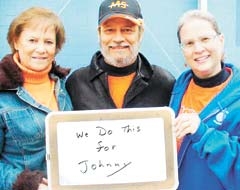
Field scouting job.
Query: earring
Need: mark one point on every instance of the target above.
(185, 64)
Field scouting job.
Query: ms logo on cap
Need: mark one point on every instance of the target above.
(119, 4)
(128, 9)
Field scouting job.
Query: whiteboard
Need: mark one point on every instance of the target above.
(111, 149)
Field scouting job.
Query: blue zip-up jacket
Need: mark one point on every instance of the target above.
(210, 158)
(22, 127)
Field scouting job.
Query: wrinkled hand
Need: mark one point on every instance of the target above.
(186, 123)
(43, 185)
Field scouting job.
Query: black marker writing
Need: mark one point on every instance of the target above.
(103, 131)
(105, 148)
(131, 129)
(82, 134)
(85, 166)
(125, 165)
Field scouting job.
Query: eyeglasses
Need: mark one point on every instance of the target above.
(204, 41)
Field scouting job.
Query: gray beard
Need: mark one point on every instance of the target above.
(121, 62)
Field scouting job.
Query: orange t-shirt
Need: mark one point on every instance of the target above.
(197, 97)
(118, 86)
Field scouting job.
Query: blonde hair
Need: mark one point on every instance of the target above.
(33, 16)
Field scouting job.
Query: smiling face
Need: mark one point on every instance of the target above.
(119, 41)
(202, 47)
(36, 46)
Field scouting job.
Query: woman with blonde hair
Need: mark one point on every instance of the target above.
(31, 86)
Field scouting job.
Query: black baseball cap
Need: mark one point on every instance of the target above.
(128, 9)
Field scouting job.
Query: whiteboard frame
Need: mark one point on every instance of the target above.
(166, 113)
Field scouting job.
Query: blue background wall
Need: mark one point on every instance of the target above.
(159, 43)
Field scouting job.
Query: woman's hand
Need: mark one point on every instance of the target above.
(186, 123)
(43, 185)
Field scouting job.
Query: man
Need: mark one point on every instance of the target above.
(119, 76)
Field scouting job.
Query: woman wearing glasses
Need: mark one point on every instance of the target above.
(206, 102)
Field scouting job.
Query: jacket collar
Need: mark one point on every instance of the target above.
(233, 86)
(144, 67)
(10, 75)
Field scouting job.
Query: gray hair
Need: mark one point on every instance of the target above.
(197, 14)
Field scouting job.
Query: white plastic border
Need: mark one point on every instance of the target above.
(203, 5)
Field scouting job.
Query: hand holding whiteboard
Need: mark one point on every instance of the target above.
(113, 149)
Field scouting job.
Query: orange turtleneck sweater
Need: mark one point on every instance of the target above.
(39, 85)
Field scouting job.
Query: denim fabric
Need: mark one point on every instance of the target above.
(22, 131)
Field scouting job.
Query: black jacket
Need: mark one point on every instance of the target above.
(88, 87)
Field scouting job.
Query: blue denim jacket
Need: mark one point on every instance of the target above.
(22, 131)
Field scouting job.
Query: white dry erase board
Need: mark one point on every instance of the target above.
(115, 149)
